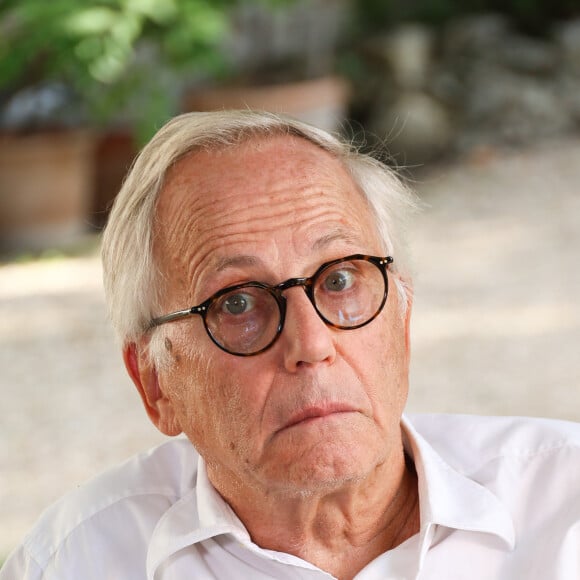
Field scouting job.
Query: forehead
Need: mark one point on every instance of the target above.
(256, 198)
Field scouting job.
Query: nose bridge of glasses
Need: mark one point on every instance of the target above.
(306, 283)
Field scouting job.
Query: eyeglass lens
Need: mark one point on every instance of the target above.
(247, 320)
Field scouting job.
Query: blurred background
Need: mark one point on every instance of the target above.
(476, 102)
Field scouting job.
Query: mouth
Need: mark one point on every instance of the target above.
(316, 413)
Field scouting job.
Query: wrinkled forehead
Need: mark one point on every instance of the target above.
(252, 192)
(263, 158)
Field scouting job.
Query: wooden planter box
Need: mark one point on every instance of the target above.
(45, 189)
(114, 153)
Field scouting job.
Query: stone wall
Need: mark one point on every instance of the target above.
(475, 84)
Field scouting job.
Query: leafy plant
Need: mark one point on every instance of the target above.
(113, 55)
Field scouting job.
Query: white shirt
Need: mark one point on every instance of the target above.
(499, 499)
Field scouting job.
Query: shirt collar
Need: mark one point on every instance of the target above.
(451, 499)
(200, 514)
(214, 512)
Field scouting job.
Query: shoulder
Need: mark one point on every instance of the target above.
(119, 508)
(532, 466)
(469, 441)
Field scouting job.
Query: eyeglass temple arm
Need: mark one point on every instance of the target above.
(176, 315)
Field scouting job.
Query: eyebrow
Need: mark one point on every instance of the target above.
(339, 234)
(237, 261)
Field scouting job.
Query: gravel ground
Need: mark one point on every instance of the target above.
(496, 328)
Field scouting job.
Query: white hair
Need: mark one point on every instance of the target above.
(133, 281)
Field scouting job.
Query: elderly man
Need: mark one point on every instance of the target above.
(256, 276)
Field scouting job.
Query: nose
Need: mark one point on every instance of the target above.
(306, 339)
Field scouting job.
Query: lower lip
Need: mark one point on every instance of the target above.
(319, 418)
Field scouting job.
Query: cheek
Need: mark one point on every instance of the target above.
(380, 359)
(218, 405)
(191, 386)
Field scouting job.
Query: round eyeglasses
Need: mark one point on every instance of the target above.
(246, 319)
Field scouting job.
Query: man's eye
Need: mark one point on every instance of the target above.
(238, 304)
(339, 280)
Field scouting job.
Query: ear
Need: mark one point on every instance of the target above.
(144, 375)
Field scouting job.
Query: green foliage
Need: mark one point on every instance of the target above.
(110, 52)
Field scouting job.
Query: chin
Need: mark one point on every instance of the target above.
(306, 484)
(324, 468)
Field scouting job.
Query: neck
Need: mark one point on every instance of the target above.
(339, 530)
